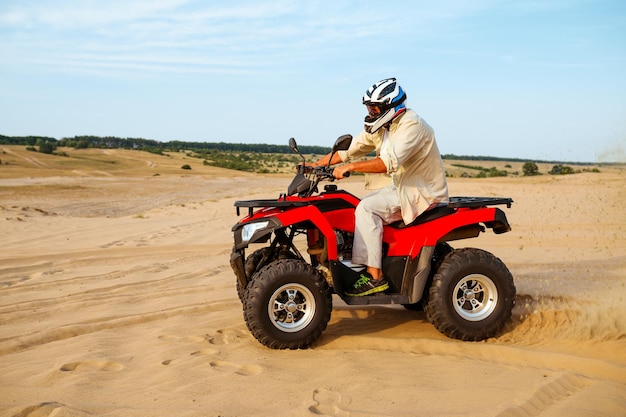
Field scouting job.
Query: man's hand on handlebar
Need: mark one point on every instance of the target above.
(341, 171)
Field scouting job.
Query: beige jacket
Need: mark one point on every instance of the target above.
(412, 159)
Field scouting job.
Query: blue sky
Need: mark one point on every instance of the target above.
(526, 79)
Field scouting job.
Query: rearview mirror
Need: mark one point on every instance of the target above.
(293, 145)
(342, 143)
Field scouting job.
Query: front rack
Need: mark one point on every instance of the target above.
(283, 204)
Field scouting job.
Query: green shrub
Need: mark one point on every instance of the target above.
(46, 147)
(561, 170)
(530, 169)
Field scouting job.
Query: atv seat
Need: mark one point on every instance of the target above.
(432, 214)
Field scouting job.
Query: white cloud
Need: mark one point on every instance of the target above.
(190, 35)
(166, 35)
(66, 14)
(158, 36)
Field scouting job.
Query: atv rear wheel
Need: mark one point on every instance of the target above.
(471, 296)
(287, 305)
(441, 250)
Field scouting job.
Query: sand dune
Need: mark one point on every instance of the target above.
(117, 299)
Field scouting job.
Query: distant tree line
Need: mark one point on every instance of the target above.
(44, 144)
(26, 140)
(111, 142)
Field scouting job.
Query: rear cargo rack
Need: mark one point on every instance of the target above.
(472, 202)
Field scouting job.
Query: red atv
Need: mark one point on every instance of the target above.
(467, 294)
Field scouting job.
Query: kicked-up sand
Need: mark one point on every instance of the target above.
(117, 299)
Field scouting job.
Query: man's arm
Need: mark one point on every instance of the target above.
(372, 166)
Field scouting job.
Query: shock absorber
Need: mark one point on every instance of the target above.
(316, 247)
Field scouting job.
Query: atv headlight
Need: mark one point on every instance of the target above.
(255, 231)
(249, 229)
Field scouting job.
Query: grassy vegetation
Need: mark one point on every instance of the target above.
(527, 169)
(483, 172)
(16, 161)
(89, 153)
(248, 161)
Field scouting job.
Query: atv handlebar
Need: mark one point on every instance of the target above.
(308, 177)
(322, 172)
(328, 172)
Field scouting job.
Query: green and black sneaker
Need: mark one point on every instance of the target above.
(366, 285)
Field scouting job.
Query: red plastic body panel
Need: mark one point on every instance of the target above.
(407, 241)
(410, 240)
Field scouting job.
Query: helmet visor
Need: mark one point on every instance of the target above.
(373, 110)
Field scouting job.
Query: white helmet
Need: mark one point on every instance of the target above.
(384, 101)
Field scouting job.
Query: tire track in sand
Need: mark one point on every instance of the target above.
(152, 289)
(15, 344)
(162, 290)
(50, 409)
(547, 396)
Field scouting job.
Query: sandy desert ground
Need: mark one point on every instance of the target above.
(117, 299)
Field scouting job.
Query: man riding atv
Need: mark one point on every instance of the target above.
(293, 253)
(406, 150)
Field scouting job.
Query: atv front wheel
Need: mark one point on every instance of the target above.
(287, 305)
(253, 262)
(471, 296)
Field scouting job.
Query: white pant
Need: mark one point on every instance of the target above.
(375, 209)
